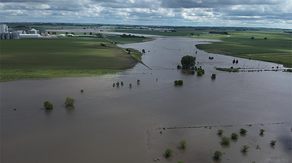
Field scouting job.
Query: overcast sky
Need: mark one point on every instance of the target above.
(244, 13)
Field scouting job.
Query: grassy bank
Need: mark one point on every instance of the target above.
(62, 57)
(276, 48)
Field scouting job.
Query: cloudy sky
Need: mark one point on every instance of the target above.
(244, 13)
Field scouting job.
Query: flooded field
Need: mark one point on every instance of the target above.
(137, 124)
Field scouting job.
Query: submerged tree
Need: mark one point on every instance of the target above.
(188, 61)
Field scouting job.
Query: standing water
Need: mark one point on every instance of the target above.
(136, 124)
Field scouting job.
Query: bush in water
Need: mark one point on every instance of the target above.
(69, 101)
(48, 105)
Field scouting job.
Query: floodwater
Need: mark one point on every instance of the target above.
(123, 124)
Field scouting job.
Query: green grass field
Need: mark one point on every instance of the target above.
(276, 48)
(62, 57)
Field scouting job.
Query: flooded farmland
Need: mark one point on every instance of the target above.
(137, 124)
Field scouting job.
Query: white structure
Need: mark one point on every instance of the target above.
(3, 28)
(30, 36)
(33, 31)
(61, 35)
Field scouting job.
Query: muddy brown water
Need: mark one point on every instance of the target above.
(122, 124)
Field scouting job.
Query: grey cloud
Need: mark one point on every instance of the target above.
(213, 3)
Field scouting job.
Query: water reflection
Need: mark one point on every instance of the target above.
(48, 111)
(70, 109)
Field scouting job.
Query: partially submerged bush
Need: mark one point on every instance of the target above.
(118, 84)
(220, 132)
(234, 136)
(48, 105)
(81, 90)
(188, 61)
(69, 101)
(183, 144)
(168, 152)
(217, 155)
(213, 76)
(273, 142)
(243, 131)
(262, 131)
(225, 140)
(178, 66)
(244, 148)
(178, 82)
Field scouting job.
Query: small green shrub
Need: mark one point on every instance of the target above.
(178, 66)
(183, 144)
(122, 83)
(243, 131)
(168, 152)
(234, 136)
(244, 148)
(178, 82)
(138, 81)
(114, 84)
(130, 85)
(69, 101)
(217, 155)
(82, 91)
(213, 76)
(220, 132)
(225, 140)
(262, 131)
(193, 72)
(48, 105)
(200, 72)
(273, 142)
(118, 84)
(180, 162)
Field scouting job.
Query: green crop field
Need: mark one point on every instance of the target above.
(61, 57)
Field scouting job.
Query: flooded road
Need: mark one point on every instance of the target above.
(123, 124)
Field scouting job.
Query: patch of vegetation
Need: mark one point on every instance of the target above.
(273, 142)
(243, 131)
(183, 144)
(188, 61)
(220, 132)
(289, 70)
(213, 76)
(217, 155)
(244, 148)
(69, 101)
(168, 152)
(225, 140)
(178, 82)
(48, 105)
(228, 69)
(262, 131)
(200, 71)
(234, 136)
(81, 90)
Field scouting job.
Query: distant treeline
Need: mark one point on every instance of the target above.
(216, 32)
(131, 36)
(287, 31)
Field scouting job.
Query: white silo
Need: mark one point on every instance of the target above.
(3, 28)
(7, 36)
(15, 35)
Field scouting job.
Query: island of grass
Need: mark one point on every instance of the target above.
(63, 57)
